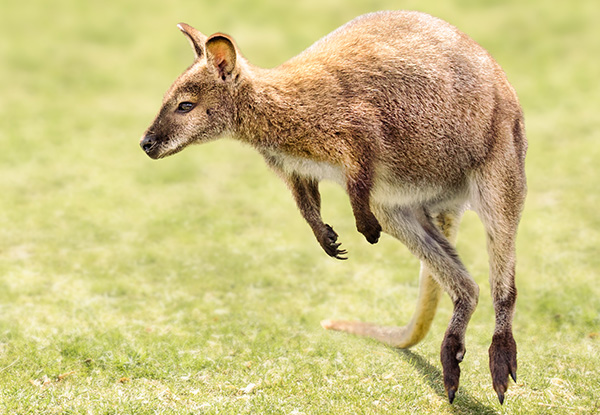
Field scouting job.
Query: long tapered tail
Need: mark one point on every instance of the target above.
(429, 296)
(400, 337)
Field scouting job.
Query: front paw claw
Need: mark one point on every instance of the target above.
(330, 244)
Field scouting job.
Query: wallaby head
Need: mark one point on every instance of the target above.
(198, 107)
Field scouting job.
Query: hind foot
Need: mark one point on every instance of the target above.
(453, 352)
(503, 362)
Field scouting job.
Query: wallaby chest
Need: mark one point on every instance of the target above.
(306, 167)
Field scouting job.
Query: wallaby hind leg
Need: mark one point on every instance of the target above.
(429, 296)
(499, 207)
(415, 229)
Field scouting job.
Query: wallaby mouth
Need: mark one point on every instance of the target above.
(155, 147)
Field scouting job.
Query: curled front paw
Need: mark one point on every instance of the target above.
(370, 228)
(328, 240)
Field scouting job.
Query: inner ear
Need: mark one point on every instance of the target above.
(221, 54)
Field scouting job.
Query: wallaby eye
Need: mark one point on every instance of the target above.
(185, 107)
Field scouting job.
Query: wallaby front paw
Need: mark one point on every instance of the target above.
(370, 228)
(328, 241)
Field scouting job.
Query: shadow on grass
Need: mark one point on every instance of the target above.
(464, 402)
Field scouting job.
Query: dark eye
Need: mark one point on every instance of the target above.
(185, 107)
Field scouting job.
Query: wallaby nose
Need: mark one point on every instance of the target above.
(148, 142)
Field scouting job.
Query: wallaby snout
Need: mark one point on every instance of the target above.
(148, 143)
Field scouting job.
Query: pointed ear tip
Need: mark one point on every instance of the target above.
(184, 27)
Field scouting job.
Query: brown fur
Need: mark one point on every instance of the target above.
(413, 118)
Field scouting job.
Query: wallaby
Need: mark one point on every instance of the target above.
(413, 118)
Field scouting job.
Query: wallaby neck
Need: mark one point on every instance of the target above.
(272, 109)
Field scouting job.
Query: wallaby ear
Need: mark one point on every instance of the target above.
(197, 39)
(221, 53)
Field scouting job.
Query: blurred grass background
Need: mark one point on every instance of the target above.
(192, 285)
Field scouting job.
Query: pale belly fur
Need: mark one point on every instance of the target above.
(384, 192)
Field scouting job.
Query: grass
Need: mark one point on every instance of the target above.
(192, 285)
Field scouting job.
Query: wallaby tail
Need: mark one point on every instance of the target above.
(400, 337)
(429, 297)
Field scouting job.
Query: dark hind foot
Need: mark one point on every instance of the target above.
(503, 362)
(453, 352)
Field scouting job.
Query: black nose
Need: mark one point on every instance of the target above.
(147, 143)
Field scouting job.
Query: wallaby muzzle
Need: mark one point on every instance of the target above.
(149, 143)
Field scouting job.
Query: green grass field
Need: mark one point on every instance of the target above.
(192, 285)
